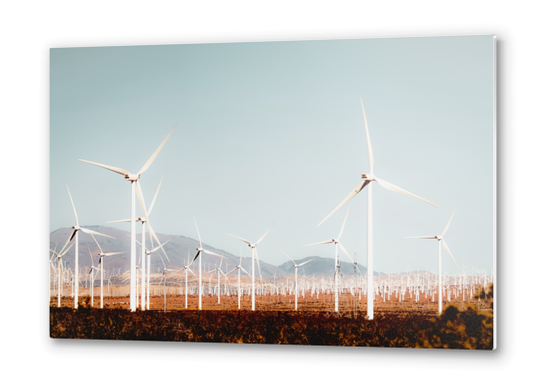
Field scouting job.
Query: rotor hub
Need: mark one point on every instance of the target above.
(132, 177)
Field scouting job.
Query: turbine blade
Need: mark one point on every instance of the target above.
(306, 262)
(342, 229)
(149, 162)
(448, 249)
(71, 245)
(151, 232)
(73, 205)
(100, 248)
(395, 188)
(369, 147)
(258, 262)
(212, 253)
(67, 242)
(356, 190)
(288, 257)
(246, 241)
(261, 238)
(322, 242)
(90, 232)
(112, 253)
(119, 221)
(199, 237)
(195, 257)
(156, 194)
(114, 169)
(244, 270)
(447, 225)
(161, 258)
(344, 250)
(420, 237)
(192, 272)
(234, 269)
(155, 249)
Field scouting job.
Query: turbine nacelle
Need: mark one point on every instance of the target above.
(438, 237)
(368, 177)
(76, 227)
(132, 176)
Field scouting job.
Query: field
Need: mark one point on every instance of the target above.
(411, 324)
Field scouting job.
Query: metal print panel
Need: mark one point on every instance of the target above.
(335, 192)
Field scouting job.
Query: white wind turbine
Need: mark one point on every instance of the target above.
(367, 179)
(148, 253)
(91, 273)
(337, 243)
(440, 239)
(295, 267)
(102, 254)
(254, 252)
(59, 269)
(75, 232)
(219, 271)
(186, 268)
(143, 263)
(200, 250)
(238, 268)
(134, 180)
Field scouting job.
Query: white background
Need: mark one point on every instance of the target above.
(29, 29)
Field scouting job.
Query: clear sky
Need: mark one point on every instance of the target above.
(273, 133)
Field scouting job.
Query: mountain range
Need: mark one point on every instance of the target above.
(179, 249)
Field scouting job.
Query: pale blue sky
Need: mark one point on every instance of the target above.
(273, 133)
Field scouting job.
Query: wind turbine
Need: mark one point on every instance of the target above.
(254, 252)
(102, 254)
(200, 250)
(148, 253)
(59, 269)
(75, 232)
(91, 273)
(186, 269)
(238, 268)
(367, 179)
(295, 267)
(143, 269)
(337, 264)
(219, 271)
(134, 180)
(440, 239)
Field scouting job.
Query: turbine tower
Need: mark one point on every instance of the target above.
(440, 239)
(367, 179)
(134, 180)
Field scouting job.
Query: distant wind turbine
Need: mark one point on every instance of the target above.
(238, 268)
(200, 250)
(337, 242)
(295, 267)
(102, 254)
(254, 253)
(440, 239)
(367, 179)
(75, 232)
